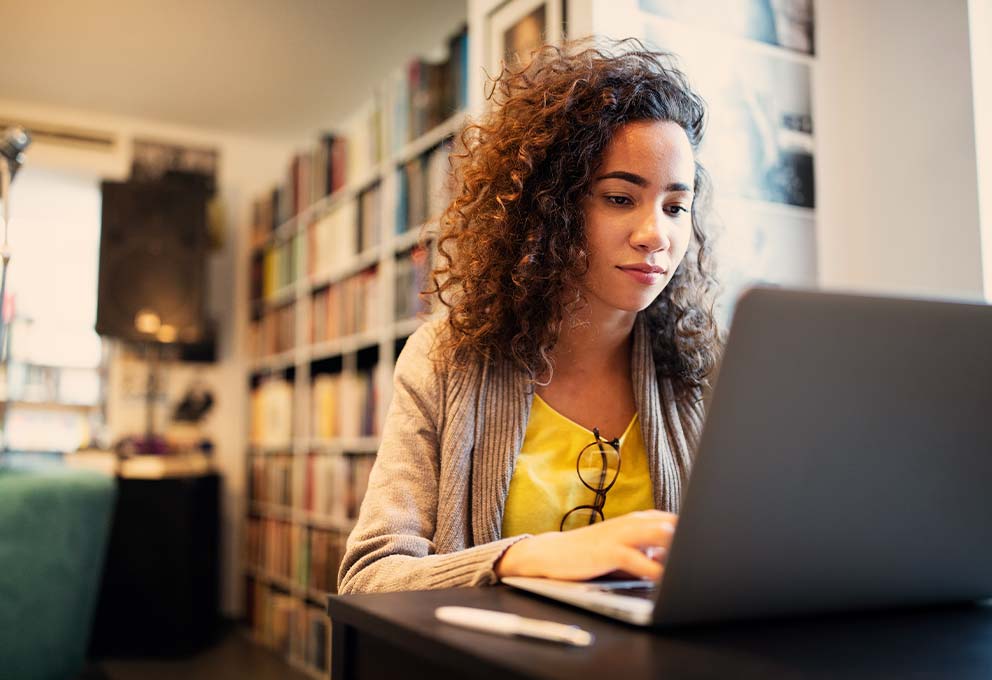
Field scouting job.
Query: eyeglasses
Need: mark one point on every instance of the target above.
(598, 467)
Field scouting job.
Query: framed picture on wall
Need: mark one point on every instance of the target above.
(518, 27)
(784, 23)
(152, 160)
(759, 142)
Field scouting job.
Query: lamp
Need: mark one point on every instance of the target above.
(13, 142)
(12, 145)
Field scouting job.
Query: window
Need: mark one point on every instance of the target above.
(52, 382)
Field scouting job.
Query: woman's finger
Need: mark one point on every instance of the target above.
(653, 515)
(641, 534)
(634, 562)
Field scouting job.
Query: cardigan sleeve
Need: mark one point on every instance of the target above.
(391, 547)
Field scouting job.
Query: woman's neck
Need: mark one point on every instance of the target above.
(594, 345)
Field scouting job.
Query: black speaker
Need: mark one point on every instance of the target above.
(153, 246)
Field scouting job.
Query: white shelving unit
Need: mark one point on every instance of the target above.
(377, 345)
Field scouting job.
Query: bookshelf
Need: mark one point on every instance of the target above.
(336, 260)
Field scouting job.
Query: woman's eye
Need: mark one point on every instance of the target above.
(619, 200)
(674, 210)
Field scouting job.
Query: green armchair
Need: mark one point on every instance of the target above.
(54, 527)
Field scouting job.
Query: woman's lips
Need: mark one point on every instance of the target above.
(647, 277)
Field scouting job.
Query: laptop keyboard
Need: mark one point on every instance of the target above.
(638, 589)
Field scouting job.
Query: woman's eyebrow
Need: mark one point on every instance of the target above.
(634, 178)
(625, 176)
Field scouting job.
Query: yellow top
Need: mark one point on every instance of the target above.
(545, 484)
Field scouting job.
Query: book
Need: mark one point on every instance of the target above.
(318, 639)
(412, 272)
(325, 399)
(271, 414)
(439, 182)
(416, 193)
(319, 315)
(458, 50)
(399, 133)
(369, 218)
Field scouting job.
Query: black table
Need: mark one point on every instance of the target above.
(396, 635)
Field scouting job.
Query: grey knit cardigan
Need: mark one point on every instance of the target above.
(433, 511)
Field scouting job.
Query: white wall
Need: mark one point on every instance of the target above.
(980, 13)
(897, 195)
(247, 167)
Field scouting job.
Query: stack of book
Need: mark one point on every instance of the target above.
(272, 414)
(335, 485)
(299, 547)
(344, 405)
(318, 640)
(332, 239)
(358, 405)
(311, 175)
(273, 331)
(430, 90)
(272, 541)
(425, 188)
(327, 548)
(271, 480)
(254, 553)
(281, 265)
(365, 141)
(288, 624)
(345, 308)
(412, 270)
(358, 307)
(326, 490)
(369, 218)
(324, 401)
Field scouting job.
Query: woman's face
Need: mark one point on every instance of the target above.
(638, 216)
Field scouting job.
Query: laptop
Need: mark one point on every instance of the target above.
(845, 464)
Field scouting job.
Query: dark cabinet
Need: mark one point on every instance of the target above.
(160, 588)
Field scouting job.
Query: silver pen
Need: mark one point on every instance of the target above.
(502, 623)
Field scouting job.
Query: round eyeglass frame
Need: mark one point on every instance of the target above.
(601, 488)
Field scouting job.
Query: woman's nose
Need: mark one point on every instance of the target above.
(652, 234)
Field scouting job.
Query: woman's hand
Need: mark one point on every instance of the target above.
(595, 550)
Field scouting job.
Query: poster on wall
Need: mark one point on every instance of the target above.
(759, 138)
(152, 160)
(784, 23)
(518, 27)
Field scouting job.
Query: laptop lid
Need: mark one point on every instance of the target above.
(846, 461)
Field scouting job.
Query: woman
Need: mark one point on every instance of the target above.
(545, 426)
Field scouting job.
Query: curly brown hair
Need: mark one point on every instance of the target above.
(517, 227)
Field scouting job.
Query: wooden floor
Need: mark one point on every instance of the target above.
(234, 657)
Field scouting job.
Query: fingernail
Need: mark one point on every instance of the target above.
(655, 552)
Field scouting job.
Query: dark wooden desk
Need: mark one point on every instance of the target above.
(396, 635)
